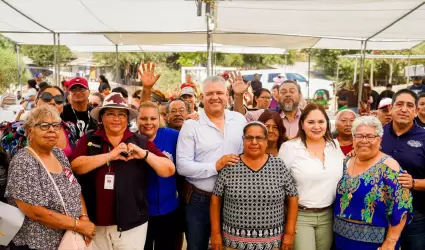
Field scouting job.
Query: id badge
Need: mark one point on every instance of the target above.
(109, 181)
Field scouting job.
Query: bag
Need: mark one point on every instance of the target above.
(71, 240)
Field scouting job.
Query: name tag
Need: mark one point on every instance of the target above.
(109, 182)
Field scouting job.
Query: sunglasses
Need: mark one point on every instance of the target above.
(47, 97)
(94, 105)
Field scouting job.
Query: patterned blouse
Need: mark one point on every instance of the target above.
(374, 199)
(253, 208)
(29, 182)
(14, 139)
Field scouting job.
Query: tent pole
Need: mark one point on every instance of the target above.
(117, 68)
(355, 69)
(371, 72)
(55, 59)
(18, 59)
(309, 71)
(334, 86)
(408, 66)
(209, 55)
(58, 60)
(362, 59)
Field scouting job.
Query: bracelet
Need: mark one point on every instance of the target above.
(390, 239)
(146, 155)
(413, 184)
(75, 224)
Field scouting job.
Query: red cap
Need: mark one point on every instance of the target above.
(225, 75)
(78, 81)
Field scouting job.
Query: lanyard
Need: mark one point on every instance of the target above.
(79, 125)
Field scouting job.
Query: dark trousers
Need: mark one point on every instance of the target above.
(164, 231)
(413, 235)
(198, 222)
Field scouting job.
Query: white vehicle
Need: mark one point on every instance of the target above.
(267, 77)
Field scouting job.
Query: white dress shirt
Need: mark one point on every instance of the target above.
(316, 182)
(201, 145)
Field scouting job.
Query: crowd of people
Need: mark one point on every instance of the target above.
(228, 164)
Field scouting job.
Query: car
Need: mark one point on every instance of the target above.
(268, 78)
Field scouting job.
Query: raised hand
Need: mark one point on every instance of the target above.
(238, 85)
(147, 74)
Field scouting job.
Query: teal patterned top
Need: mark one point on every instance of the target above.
(373, 198)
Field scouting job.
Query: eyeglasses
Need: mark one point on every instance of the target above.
(369, 138)
(175, 111)
(265, 97)
(44, 126)
(47, 97)
(77, 89)
(113, 115)
(250, 138)
(94, 105)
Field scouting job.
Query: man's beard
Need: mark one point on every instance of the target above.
(288, 108)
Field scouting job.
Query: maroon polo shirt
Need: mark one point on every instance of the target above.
(105, 199)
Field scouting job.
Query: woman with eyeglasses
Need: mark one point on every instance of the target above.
(33, 174)
(247, 204)
(371, 206)
(112, 165)
(14, 137)
(261, 102)
(315, 160)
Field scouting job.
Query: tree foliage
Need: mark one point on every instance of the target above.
(9, 69)
(43, 55)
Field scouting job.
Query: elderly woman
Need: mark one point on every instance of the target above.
(14, 138)
(371, 205)
(30, 188)
(113, 164)
(256, 219)
(315, 161)
(276, 131)
(344, 123)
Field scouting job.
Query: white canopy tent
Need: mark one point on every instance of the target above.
(286, 24)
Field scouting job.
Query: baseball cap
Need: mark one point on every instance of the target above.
(386, 102)
(225, 76)
(78, 81)
(187, 91)
(416, 77)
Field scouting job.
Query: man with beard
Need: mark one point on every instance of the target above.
(177, 111)
(404, 140)
(289, 99)
(205, 146)
(343, 133)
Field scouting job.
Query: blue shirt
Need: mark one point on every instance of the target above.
(201, 145)
(162, 192)
(417, 89)
(409, 151)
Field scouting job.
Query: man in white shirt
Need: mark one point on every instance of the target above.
(205, 146)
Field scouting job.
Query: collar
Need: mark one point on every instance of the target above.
(392, 132)
(297, 115)
(203, 118)
(102, 133)
(300, 145)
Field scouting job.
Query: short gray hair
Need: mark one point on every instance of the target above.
(344, 111)
(370, 121)
(39, 114)
(211, 79)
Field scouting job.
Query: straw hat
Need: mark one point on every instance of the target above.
(115, 101)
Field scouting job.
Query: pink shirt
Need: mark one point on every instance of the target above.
(291, 126)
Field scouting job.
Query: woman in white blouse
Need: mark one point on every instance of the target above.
(315, 161)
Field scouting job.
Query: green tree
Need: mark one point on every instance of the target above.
(43, 55)
(9, 70)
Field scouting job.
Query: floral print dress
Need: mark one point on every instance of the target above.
(367, 204)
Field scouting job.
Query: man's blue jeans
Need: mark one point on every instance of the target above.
(413, 235)
(198, 222)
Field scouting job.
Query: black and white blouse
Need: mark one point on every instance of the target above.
(253, 204)
(29, 182)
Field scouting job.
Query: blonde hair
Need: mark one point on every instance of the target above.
(39, 114)
(154, 106)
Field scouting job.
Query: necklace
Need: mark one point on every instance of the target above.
(81, 125)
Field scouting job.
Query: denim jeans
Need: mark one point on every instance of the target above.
(413, 235)
(198, 222)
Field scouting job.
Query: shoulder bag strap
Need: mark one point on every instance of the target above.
(50, 176)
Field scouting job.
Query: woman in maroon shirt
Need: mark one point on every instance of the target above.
(344, 123)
